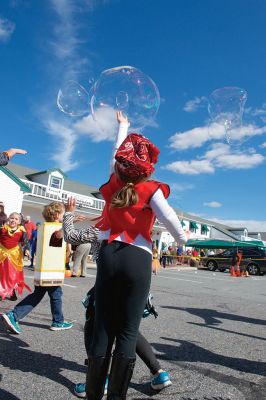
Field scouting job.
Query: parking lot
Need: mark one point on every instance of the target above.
(210, 335)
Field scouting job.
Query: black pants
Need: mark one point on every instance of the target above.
(122, 286)
(143, 347)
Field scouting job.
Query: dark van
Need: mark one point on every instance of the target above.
(254, 259)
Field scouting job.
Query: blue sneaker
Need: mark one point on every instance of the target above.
(11, 322)
(161, 381)
(60, 326)
(80, 389)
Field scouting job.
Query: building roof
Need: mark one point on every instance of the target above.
(23, 187)
(48, 171)
(69, 185)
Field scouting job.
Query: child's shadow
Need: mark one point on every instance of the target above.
(6, 395)
(47, 365)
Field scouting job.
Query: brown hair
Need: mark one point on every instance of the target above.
(51, 211)
(127, 195)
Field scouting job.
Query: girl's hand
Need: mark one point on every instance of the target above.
(71, 204)
(121, 118)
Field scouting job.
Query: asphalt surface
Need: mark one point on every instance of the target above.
(210, 335)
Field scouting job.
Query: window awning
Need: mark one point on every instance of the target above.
(193, 225)
(204, 228)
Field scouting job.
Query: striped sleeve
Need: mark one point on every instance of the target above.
(4, 158)
(79, 236)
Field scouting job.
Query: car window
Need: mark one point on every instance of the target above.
(252, 253)
(228, 253)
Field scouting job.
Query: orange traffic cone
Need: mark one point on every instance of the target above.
(238, 272)
(232, 272)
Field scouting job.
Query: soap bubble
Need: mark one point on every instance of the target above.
(73, 99)
(129, 90)
(226, 107)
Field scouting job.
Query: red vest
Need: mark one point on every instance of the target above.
(130, 221)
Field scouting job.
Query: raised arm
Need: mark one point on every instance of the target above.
(168, 217)
(73, 235)
(6, 155)
(121, 135)
(77, 236)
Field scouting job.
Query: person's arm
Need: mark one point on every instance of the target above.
(77, 236)
(121, 135)
(6, 155)
(167, 216)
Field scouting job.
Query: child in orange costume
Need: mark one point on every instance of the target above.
(13, 239)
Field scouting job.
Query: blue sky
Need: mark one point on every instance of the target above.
(189, 48)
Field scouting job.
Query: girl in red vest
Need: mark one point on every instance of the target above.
(12, 239)
(132, 202)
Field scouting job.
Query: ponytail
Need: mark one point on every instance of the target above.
(125, 197)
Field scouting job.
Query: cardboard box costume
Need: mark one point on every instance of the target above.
(50, 256)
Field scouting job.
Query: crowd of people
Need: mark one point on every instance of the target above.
(124, 260)
(125, 256)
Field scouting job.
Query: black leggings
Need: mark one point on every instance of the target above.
(121, 290)
(143, 348)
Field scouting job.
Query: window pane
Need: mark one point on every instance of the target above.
(55, 182)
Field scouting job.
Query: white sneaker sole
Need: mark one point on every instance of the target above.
(161, 386)
(9, 325)
(83, 394)
(52, 328)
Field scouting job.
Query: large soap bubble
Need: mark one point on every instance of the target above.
(73, 99)
(129, 90)
(226, 107)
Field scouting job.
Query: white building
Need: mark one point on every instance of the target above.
(38, 188)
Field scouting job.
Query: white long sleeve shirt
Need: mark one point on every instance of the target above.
(163, 212)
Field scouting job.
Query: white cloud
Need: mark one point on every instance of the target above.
(213, 204)
(263, 145)
(194, 104)
(66, 140)
(251, 225)
(197, 137)
(6, 29)
(239, 161)
(219, 155)
(194, 167)
(103, 128)
(66, 42)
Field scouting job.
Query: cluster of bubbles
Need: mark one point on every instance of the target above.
(124, 88)
(129, 90)
(226, 107)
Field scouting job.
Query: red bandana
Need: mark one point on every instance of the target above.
(136, 156)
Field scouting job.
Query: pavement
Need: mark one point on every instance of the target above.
(210, 335)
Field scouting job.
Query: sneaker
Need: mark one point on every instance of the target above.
(11, 323)
(161, 381)
(60, 326)
(80, 389)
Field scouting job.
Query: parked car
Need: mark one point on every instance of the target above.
(254, 259)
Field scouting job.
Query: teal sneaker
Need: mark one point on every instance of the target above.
(61, 326)
(161, 381)
(11, 323)
(80, 389)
